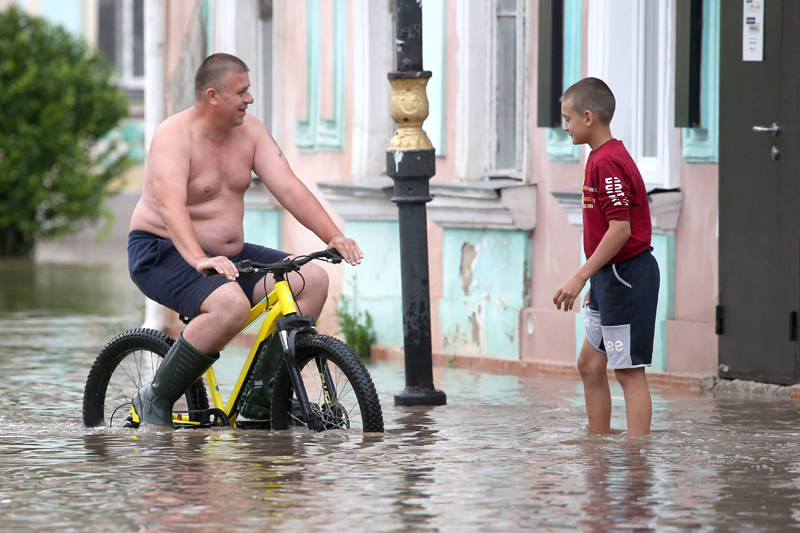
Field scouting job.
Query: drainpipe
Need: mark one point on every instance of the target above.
(154, 111)
(410, 162)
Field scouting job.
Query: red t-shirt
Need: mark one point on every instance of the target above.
(613, 189)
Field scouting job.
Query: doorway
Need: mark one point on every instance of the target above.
(759, 197)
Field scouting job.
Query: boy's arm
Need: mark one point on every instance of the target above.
(619, 231)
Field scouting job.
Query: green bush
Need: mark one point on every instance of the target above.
(359, 336)
(58, 103)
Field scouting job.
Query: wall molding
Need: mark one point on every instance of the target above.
(503, 204)
(665, 208)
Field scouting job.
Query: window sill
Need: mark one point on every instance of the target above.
(504, 204)
(665, 207)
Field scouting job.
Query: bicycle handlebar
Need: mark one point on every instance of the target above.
(249, 269)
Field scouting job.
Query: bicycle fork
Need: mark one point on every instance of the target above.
(287, 337)
(288, 334)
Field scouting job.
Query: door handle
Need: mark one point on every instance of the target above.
(774, 129)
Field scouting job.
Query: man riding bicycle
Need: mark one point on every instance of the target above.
(190, 218)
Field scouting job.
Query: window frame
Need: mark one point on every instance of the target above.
(610, 57)
(558, 143)
(701, 144)
(124, 44)
(521, 97)
(316, 134)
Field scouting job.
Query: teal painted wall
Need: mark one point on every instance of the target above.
(375, 284)
(664, 252)
(263, 226)
(486, 275)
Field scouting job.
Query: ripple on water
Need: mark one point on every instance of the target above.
(506, 453)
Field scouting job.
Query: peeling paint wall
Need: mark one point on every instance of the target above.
(485, 277)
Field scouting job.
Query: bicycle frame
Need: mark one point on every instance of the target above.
(279, 303)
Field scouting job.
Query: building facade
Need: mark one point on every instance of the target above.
(504, 225)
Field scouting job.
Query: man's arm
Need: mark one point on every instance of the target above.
(271, 167)
(168, 168)
(619, 231)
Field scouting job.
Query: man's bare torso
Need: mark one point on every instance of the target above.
(219, 173)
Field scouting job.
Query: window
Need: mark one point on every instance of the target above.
(631, 49)
(559, 144)
(508, 83)
(434, 37)
(492, 40)
(701, 145)
(121, 38)
(322, 125)
(265, 39)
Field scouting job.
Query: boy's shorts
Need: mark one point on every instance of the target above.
(161, 273)
(620, 317)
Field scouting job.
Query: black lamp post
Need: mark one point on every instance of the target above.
(410, 162)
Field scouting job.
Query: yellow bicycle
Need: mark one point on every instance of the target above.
(321, 384)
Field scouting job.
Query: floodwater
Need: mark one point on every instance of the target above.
(506, 454)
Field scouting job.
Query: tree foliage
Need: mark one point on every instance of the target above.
(58, 103)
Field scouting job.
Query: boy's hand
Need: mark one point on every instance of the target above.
(586, 298)
(568, 293)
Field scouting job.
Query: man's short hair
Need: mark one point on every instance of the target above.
(214, 70)
(594, 95)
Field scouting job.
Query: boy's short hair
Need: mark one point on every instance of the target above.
(214, 69)
(592, 94)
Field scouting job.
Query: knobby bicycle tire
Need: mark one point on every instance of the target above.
(126, 364)
(356, 404)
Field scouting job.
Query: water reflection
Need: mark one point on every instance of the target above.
(505, 454)
(619, 482)
(412, 495)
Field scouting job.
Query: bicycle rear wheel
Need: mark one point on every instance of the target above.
(339, 388)
(124, 366)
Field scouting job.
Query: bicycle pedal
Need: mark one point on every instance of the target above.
(132, 418)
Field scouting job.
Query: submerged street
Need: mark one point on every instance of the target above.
(506, 453)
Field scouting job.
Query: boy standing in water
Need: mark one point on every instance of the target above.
(620, 306)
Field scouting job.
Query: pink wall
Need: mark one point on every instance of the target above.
(691, 341)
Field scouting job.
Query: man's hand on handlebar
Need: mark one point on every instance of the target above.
(347, 248)
(221, 264)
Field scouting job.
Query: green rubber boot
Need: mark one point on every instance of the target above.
(182, 366)
(257, 400)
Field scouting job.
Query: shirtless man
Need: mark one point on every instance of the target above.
(190, 218)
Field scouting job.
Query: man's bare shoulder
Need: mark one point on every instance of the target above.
(176, 130)
(253, 128)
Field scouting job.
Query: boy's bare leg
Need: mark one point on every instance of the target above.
(592, 368)
(638, 406)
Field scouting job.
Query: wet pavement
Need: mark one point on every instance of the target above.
(507, 453)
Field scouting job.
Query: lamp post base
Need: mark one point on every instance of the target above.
(412, 397)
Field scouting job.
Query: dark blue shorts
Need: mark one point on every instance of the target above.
(165, 277)
(620, 317)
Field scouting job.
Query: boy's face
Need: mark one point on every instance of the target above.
(576, 124)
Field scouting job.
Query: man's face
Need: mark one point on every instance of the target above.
(574, 123)
(236, 96)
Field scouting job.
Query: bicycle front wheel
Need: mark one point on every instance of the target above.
(339, 388)
(124, 366)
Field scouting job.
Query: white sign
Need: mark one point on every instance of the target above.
(753, 30)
